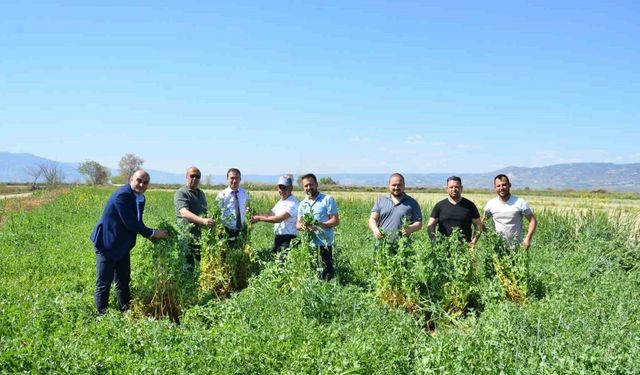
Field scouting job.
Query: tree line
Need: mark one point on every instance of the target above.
(98, 174)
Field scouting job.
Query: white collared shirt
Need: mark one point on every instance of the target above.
(139, 200)
(226, 200)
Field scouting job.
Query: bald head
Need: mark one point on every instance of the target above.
(193, 177)
(139, 181)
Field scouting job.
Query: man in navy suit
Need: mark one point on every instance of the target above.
(115, 235)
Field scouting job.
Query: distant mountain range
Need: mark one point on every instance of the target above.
(578, 176)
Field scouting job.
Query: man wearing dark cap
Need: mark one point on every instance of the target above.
(283, 215)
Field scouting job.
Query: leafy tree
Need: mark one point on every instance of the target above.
(129, 164)
(327, 181)
(119, 179)
(96, 173)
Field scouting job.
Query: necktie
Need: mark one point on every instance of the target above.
(236, 204)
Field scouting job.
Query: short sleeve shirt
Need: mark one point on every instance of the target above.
(322, 208)
(507, 216)
(193, 200)
(451, 216)
(391, 214)
(290, 206)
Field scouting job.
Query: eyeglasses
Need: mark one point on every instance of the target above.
(194, 176)
(141, 181)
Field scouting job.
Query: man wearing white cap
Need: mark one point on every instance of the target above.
(283, 215)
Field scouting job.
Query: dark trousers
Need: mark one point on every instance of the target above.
(281, 245)
(282, 242)
(233, 233)
(106, 271)
(327, 260)
(193, 254)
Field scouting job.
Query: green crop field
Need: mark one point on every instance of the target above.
(568, 306)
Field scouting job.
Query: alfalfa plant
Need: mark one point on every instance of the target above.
(299, 266)
(163, 286)
(225, 259)
(394, 272)
(307, 243)
(450, 279)
(508, 266)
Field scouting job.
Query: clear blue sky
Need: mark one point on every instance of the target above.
(327, 87)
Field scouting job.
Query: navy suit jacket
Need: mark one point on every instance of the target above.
(115, 234)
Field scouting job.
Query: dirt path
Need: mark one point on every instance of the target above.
(20, 195)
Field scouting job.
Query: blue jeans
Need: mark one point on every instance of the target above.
(106, 271)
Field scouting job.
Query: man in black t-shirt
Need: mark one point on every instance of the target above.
(455, 212)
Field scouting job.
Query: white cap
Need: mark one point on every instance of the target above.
(285, 180)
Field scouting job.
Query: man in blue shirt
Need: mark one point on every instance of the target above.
(325, 213)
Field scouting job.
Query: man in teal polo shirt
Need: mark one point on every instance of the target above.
(389, 211)
(325, 212)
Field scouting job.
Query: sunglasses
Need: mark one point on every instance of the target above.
(141, 181)
(194, 176)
